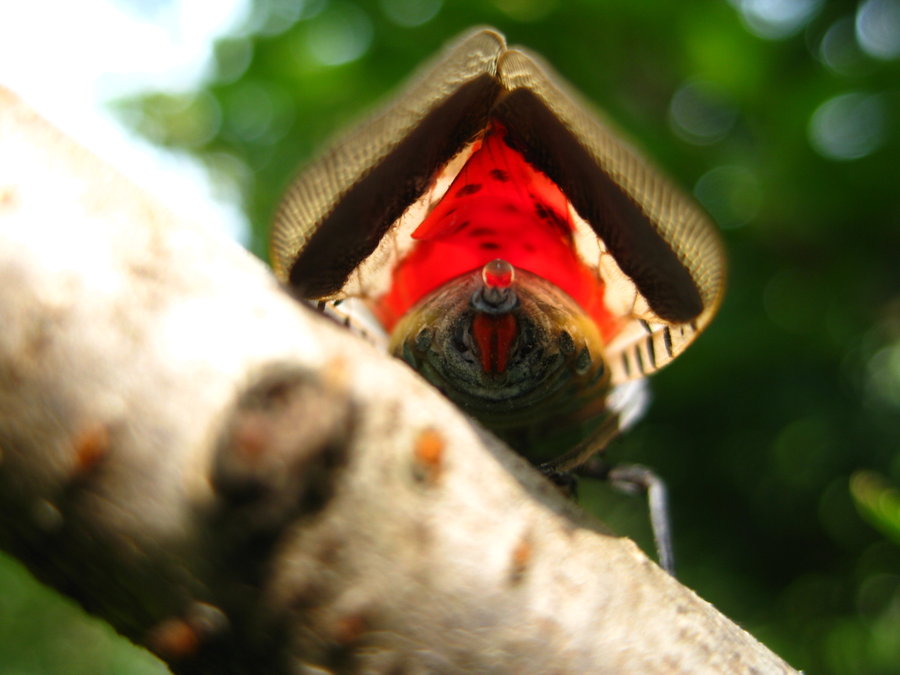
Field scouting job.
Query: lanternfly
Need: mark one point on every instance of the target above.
(517, 252)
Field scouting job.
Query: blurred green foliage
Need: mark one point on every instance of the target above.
(877, 502)
(783, 119)
(42, 633)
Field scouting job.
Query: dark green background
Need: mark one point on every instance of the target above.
(790, 398)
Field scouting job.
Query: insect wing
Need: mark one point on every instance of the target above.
(658, 255)
(337, 211)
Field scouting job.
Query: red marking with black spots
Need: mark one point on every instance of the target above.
(499, 206)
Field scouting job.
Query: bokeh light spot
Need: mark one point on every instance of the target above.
(177, 120)
(410, 12)
(878, 28)
(250, 111)
(848, 126)
(699, 115)
(273, 17)
(232, 59)
(803, 452)
(341, 33)
(732, 195)
(776, 19)
(839, 50)
(883, 375)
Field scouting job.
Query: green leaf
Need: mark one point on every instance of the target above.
(878, 502)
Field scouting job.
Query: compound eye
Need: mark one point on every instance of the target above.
(464, 343)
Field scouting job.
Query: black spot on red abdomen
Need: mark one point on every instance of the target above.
(467, 190)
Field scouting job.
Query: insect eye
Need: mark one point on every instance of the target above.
(423, 338)
(463, 342)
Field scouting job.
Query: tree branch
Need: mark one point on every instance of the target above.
(242, 486)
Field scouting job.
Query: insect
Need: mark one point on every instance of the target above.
(519, 254)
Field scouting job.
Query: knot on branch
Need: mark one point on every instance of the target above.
(282, 448)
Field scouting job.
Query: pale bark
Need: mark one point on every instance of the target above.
(242, 486)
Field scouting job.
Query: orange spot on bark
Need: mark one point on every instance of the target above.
(349, 629)
(429, 455)
(521, 557)
(174, 639)
(8, 198)
(90, 444)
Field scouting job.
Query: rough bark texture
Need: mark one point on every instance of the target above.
(244, 487)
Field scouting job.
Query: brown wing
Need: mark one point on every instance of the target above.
(337, 210)
(660, 256)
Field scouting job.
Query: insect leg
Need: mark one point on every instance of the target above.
(633, 478)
